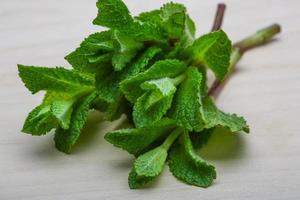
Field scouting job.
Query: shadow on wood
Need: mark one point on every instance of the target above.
(224, 146)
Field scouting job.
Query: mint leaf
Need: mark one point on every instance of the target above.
(159, 88)
(137, 139)
(164, 68)
(145, 31)
(147, 167)
(173, 16)
(214, 117)
(94, 52)
(143, 116)
(55, 79)
(112, 14)
(62, 111)
(55, 111)
(187, 166)
(117, 108)
(189, 32)
(134, 181)
(40, 121)
(173, 21)
(212, 50)
(152, 16)
(150, 68)
(156, 101)
(65, 139)
(187, 102)
(107, 81)
(150, 164)
(126, 50)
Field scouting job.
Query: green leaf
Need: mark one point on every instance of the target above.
(112, 14)
(65, 139)
(134, 181)
(107, 81)
(147, 167)
(187, 166)
(144, 31)
(135, 140)
(151, 163)
(152, 16)
(214, 117)
(159, 88)
(189, 31)
(164, 85)
(117, 108)
(164, 68)
(143, 116)
(55, 79)
(173, 21)
(55, 111)
(62, 111)
(40, 121)
(115, 15)
(187, 102)
(94, 52)
(173, 16)
(126, 50)
(156, 101)
(212, 50)
(150, 27)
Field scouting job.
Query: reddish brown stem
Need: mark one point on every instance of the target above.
(259, 38)
(217, 26)
(219, 17)
(214, 88)
(217, 85)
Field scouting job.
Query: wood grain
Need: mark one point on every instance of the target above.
(265, 89)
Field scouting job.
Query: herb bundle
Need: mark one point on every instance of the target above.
(153, 69)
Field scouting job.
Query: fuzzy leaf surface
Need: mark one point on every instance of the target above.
(112, 14)
(187, 102)
(54, 79)
(215, 117)
(65, 139)
(212, 50)
(94, 52)
(135, 140)
(189, 167)
(131, 87)
(108, 81)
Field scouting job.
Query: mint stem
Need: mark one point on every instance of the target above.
(171, 138)
(219, 17)
(259, 38)
(177, 80)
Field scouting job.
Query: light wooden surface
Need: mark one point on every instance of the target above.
(265, 89)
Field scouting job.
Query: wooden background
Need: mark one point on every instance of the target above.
(265, 89)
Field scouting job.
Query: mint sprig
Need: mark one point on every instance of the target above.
(153, 69)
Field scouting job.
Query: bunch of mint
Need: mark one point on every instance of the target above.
(153, 69)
